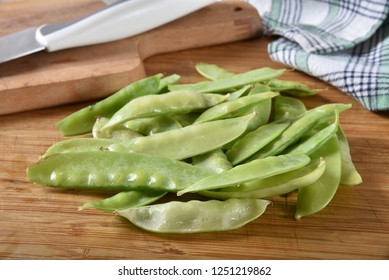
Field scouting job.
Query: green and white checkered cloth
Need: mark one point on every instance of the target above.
(345, 43)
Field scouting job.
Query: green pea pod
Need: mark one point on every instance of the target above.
(239, 93)
(235, 81)
(273, 186)
(196, 216)
(168, 103)
(153, 125)
(314, 142)
(286, 106)
(76, 145)
(298, 127)
(350, 175)
(175, 144)
(119, 133)
(124, 200)
(188, 141)
(82, 121)
(254, 170)
(216, 161)
(262, 110)
(233, 108)
(212, 71)
(253, 141)
(316, 196)
(262, 115)
(291, 87)
(166, 81)
(114, 171)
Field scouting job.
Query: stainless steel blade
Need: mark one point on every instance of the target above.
(19, 44)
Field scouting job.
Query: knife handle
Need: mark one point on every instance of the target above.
(117, 21)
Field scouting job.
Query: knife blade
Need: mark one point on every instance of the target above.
(117, 21)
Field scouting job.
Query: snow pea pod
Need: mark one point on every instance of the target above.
(114, 171)
(233, 108)
(166, 81)
(196, 216)
(253, 141)
(82, 121)
(153, 125)
(188, 141)
(291, 87)
(215, 161)
(168, 103)
(254, 170)
(286, 106)
(298, 127)
(273, 186)
(239, 93)
(235, 81)
(212, 71)
(314, 142)
(262, 110)
(76, 145)
(119, 133)
(180, 143)
(350, 175)
(124, 200)
(316, 196)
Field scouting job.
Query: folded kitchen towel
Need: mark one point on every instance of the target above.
(342, 42)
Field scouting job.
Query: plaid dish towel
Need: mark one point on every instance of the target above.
(342, 42)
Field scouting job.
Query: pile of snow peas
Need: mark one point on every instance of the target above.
(236, 140)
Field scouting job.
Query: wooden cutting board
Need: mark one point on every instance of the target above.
(47, 79)
(43, 223)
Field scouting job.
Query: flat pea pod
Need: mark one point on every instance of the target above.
(254, 170)
(235, 81)
(273, 186)
(350, 175)
(168, 103)
(291, 87)
(216, 161)
(82, 121)
(119, 133)
(253, 141)
(239, 92)
(313, 198)
(288, 107)
(124, 200)
(233, 108)
(196, 216)
(298, 127)
(114, 171)
(314, 142)
(166, 81)
(75, 145)
(188, 141)
(212, 71)
(153, 125)
(262, 110)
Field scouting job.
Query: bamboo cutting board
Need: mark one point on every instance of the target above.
(43, 223)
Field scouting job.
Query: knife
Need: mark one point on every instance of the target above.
(47, 79)
(117, 21)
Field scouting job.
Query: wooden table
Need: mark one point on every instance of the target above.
(42, 223)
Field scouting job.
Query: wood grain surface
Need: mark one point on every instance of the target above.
(42, 223)
(86, 73)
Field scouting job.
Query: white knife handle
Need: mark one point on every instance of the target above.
(118, 21)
